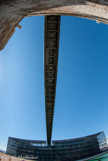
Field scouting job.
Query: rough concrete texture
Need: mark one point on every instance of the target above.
(5, 157)
(12, 12)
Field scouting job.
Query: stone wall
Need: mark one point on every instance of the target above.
(5, 157)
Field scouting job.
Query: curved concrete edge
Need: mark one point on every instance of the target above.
(10, 28)
(12, 12)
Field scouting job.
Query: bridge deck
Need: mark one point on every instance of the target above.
(51, 46)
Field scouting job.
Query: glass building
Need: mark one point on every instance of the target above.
(60, 150)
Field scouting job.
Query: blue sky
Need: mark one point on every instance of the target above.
(81, 106)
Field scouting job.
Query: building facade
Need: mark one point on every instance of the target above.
(62, 150)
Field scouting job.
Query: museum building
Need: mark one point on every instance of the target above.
(59, 150)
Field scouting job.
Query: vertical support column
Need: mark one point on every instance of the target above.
(51, 47)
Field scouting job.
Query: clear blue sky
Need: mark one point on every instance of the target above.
(81, 106)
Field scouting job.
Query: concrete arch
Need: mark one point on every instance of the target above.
(13, 11)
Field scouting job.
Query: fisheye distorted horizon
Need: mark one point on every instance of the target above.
(82, 89)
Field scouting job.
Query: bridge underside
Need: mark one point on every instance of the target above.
(51, 47)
